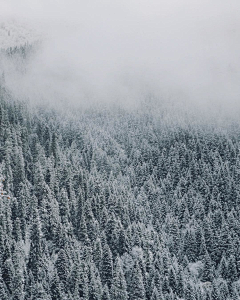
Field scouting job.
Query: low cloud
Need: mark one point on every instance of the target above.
(182, 51)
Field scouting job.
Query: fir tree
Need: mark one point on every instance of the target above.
(56, 288)
(4, 294)
(107, 266)
(207, 273)
(119, 286)
(62, 266)
(36, 253)
(155, 294)
(136, 289)
(105, 294)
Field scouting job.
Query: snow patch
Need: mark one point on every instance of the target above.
(194, 268)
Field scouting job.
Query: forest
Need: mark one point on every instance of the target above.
(106, 203)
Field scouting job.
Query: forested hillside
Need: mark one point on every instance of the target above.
(106, 203)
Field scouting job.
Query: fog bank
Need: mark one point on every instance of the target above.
(182, 52)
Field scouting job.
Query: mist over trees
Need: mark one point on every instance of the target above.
(107, 203)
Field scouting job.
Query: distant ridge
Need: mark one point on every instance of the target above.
(16, 33)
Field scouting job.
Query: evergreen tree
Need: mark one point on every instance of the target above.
(223, 268)
(97, 187)
(119, 286)
(95, 287)
(82, 232)
(56, 288)
(232, 270)
(64, 205)
(8, 274)
(3, 289)
(155, 294)
(18, 286)
(180, 284)
(35, 255)
(98, 253)
(62, 266)
(107, 266)
(136, 288)
(105, 294)
(172, 280)
(215, 291)
(189, 293)
(207, 273)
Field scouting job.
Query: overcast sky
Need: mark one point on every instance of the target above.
(122, 49)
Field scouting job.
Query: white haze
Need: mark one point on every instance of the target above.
(186, 52)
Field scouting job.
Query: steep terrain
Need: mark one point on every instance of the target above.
(104, 203)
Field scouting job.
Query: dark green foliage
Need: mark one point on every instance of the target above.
(62, 266)
(137, 290)
(189, 293)
(88, 190)
(8, 274)
(155, 294)
(232, 270)
(172, 280)
(35, 262)
(3, 289)
(105, 294)
(107, 266)
(56, 288)
(119, 286)
(207, 272)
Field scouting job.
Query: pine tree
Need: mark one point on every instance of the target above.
(18, 285)
(83, 287)
(105, 294)
(119, 286)
(232, 270)
(19, 172)
(40, 185)
(30, 285)
(110, 228)
(123, 243)
(17, 233)
(155, 294)
(36, 253)
(180, 284)
(40, 293)
(172, 280)
(86, 188)
(55, 148)
(82, 232)
(62, 266)
(223, 290)
(136, 289)
(4, 294)
(189, 245)
(215, 291)
(189, 293)
(157, 281)
(223, 268)
(64, 206)
(95, 286)
(107, 266)
(207, 273)
(74, 278)
(22, 211)
(56, 288)
(98, 253)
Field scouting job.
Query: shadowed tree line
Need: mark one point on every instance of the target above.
(111, 204)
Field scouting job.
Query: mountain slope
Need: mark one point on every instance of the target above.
(110, 204)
